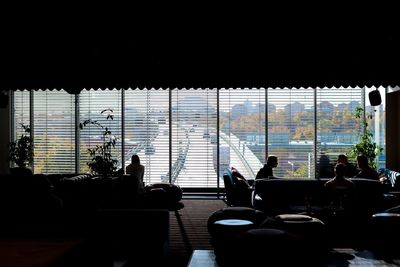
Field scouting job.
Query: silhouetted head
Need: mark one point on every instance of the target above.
(135, 159)
(362, 161)
(272, 161)
(340, 170)
(342, 158)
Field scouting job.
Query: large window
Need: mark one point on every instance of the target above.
(21, 113)
(291, 131)
(54, 132)
(91, 105)
(376, 119)
(189, 136)
(242, 129)
(194, 142)
(337, 128)
(147, 131)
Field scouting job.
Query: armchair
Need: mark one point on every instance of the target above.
(238, 192)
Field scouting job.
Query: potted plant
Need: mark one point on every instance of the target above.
(21, 152)
(366, 146)
(102, 162)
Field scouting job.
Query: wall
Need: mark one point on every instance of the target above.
(4, 137)
(393, 130)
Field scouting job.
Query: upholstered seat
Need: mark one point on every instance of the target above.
(238, 193)
(164, 195)
(240, 213)
(309, 229)
(224, 224)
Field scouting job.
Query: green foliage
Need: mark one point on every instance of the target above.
(21, 150)
(301, 172)
(102, 162)
(366, 146)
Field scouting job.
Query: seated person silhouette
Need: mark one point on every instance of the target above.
(366, 170)
(239, 178)
(135, 168)
(340, 190)
(129, 188)
(325, 167)
(351, 170)
(266, 170)
(243, 191)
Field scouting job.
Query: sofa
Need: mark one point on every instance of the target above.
(347, 223)
(275, 196)
(84, 207)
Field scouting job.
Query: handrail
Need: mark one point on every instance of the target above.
(243, 159)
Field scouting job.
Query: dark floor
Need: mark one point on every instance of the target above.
(338, 258)
(188, 233)
(188, 229)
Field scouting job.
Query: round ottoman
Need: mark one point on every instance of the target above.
(227, 228)
(225, 223)
(240, 213)
(164, 195)
(303, 225)
(311, 231)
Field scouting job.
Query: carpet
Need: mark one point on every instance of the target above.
(188, 229)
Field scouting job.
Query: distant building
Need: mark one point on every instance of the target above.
(271, 108)
(325, 106)
(294, 108)
(238, 110)
(261, 108)
(249, 106)
(351, 106)
(342, 107)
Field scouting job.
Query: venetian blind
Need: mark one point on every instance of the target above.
(291, 131)
(377, 122)
(21, 104)
(147, 132)
(54, 132)
(91, 104)
(242, 130)
(193, 136)
(337, 128)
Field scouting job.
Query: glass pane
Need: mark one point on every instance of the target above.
(21, 112)
(291, 131)
(91, 104)
(337, 128)
(54, 132)
(147, 132)
(194, 124)
(242, 130)
(377, 124)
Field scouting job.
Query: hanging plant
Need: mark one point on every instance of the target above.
(366, 146)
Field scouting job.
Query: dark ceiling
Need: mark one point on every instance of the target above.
(202, 51)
